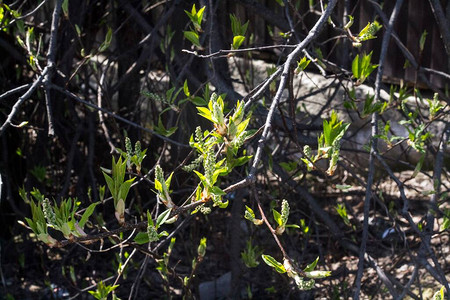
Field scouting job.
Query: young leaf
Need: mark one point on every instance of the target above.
(107, 41)
(270, 261)
(277, 217)
(237, 42)
(141, 238)
(311, 266)
(87, 213)
(162, 218)
(192, 37)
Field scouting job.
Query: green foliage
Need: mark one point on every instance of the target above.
(362, 67)
(38, 222)
(416, 134)
(251, 254)
(163, 187)
(160, 129)
(250, 215)
(238, 30)
(286, 267)
(423, 38)
(201, 250)
(40, 173)
(118, 186)
(196, 18)
(435, 106)
(272, 262)
(193, 37)
(370, 107)
(282, 218)
(107, 42)
(368, 32)
(229, 133)
(304, 227)
(214, 113)
(445, 220)
(342, 211)
(102, 291)
(163, 263)
(386, 136)
(133, 157)
(209, 179)
(152, 234)
(302, 64)
(328, 144)
(61, 218)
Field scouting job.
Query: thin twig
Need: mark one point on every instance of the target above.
(14, 90)
(22, 99)
(226, 53)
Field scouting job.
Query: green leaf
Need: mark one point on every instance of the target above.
(422, 40)
(186, 89)
(158, 186)
(277, 217)
(141, 238)
(65, 7)
(202, 177)
(236, 27)
(110, 184)
(200, 15)
(368, 32)
(87, 213)
(237, 42)
(107, 42)
(206, 113)
(302, 64)
(198, 101)
(362, 68)
(311, 266)
(419, 165)
(162, 218)
(124, 189)
(249, 214)
(160, 129)
(217, 191)
(169, 180)
(270, 261)
(192, 37)
(293, 226)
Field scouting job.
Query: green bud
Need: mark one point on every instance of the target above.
(284, 211)
(137, 148)
(48, 212)
(128, 146)
(202, 248)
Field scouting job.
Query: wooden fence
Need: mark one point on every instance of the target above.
(415, 17)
